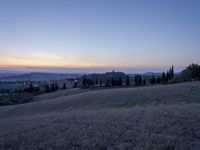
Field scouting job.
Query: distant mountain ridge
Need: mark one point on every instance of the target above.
(37, 77)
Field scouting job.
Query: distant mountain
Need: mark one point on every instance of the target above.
(37, 77)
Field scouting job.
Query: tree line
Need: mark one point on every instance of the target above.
(48, 87)
(113, 81)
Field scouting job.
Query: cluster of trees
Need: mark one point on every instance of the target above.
(86, 82)
(52, 88)
(165, 78)
(47, 87)
(115, 81)
(192, 72)
(138, 79)
(31, 88)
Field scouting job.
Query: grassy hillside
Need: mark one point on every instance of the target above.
(157, 117)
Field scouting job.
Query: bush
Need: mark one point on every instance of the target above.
(192, 72)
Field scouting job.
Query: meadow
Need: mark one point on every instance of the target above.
(153, 117)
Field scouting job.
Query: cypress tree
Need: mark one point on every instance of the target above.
(167, 76)
(64, 86)
(136, 79)
(113, 81)
(52, 87)
(30, 87)
(127, 80)
(158, 80)
(96, 81)
(172, 71)
(100, 83)
(153, 80)
(56, 86)
(84, 81)
(139, 79)
(47, 88)
(163, 77)
(120, 81)
(75, 85)
(144, 81)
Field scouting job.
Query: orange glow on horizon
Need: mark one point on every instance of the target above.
(25, 63)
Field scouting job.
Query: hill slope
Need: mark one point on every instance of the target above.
(158, 117)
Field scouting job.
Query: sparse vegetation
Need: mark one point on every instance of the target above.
(15, 98)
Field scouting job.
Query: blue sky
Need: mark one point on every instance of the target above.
(99, 35)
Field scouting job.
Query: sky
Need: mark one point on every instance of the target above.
(99, 35)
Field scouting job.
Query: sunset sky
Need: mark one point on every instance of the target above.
(99, 35)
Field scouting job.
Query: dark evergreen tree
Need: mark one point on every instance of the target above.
(167, 76)
(84, 82)
(136, 79)
(113, 82)
(56, 86)
(127, 80)
(64, 86)
(96, 81)
(52, 87)
(31, 87)
(120, 81)
(75, 85)
(139, 79)
(100, 82)
(172, 72)
(108, 83)
(163, 77)
(47, 88)
(144, 82)
(153, 80)
(158, 80)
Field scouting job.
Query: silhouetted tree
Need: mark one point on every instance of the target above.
(113, 82)
(163, 77)
(30, 89)
(108, 83)
(153, 80)
(172, 72)
(96, 81)
(144, 81)
(158, 80)
(56, 86)
(120, 81)
(75, 85)
(52, 87)
(127, 80)
(167, 76)
(47, 88)
(64, 86)
(138, 79)
(100, 82)
(84, 82)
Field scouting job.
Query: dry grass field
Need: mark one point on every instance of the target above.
(159, 117)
